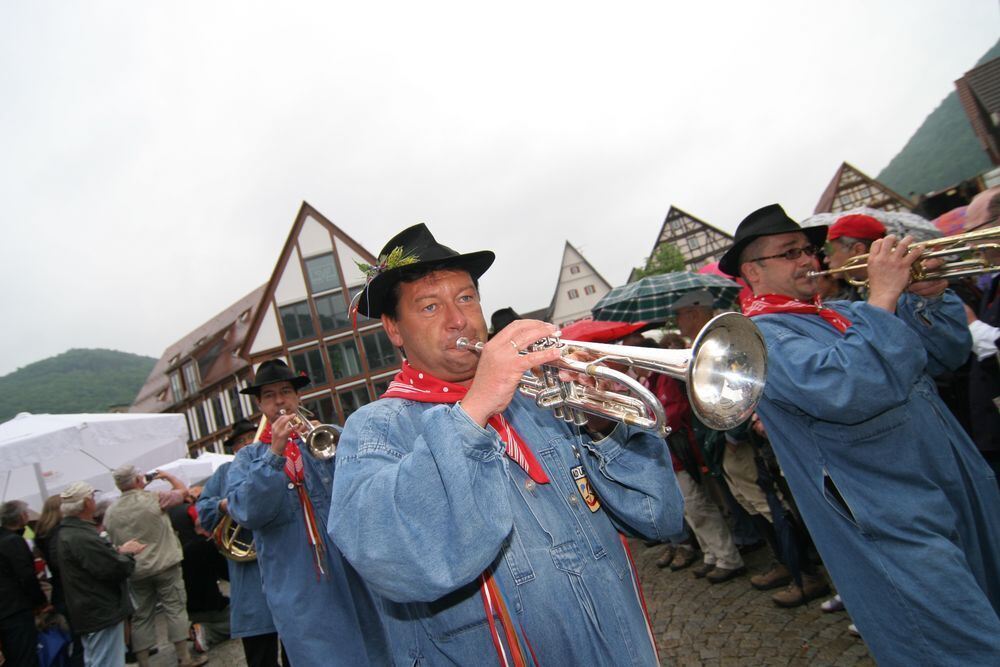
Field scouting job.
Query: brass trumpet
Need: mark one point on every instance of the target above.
(724, 371)
(960, 245)
(234, 541)
(321, 440)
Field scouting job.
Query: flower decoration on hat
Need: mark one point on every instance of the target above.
(394, 260)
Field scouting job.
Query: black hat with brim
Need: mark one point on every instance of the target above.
(410, 251)
(271, 371)
(766, 221)
(501, 319)
(239, 428)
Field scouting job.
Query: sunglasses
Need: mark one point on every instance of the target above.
(792, 254)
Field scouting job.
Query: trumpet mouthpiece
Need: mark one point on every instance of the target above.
(464, 343)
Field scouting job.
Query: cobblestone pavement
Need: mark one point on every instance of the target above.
(698, 623)
(729, 624)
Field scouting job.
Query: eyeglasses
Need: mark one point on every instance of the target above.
(793, 254)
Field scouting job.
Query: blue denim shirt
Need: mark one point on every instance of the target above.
(900, 504)
(322, 620)
(428, 501)
(249, 615)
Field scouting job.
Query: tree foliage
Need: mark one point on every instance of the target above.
(74, 381)
(666, 259)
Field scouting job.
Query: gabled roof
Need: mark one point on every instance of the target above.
(674, 212)
(555, 293)
(226, 331)
(305, 211)
(979, 93)
(847, 177)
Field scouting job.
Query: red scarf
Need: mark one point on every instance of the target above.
(766, 304)
(413, 385)
(296, 472)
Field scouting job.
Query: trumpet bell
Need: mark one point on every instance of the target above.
(233, 541)
(322, 441)
(725, 379)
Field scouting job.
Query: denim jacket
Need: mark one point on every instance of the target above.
(428, 501)
(322, 619)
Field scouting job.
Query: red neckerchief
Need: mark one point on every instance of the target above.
(425, 388)
(766, 304)
(296, 472)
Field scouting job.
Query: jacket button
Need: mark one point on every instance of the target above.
(573, 499)
(290, 486)
(529, 485)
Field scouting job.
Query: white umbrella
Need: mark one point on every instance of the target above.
(42, 454)
(899, 223)
(192, 471)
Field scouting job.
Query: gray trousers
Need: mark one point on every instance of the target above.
(167, 588)
(708, 525)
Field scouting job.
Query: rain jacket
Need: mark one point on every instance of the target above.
(324, 619)
(249, 615)
(900, 504)
(428, 501)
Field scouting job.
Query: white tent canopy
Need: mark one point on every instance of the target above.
(42, 454)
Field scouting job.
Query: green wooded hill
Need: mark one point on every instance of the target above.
(74, 381)
(942, 152)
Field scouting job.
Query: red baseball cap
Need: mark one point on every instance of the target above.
(856, 226)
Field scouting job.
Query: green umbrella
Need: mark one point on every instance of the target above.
(651, 298)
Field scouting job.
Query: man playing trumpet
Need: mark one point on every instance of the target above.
(279, 490)
(901, 506)
(486, 525)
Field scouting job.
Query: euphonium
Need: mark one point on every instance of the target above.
(964, 245)
(234, 541)
(724, 371)
(321, 440)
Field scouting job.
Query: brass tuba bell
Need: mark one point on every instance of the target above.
(234, 541)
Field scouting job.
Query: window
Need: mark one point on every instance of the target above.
(352, 399)
(381, 386)
(220, 411)
(693, 242)
(332, 312)
(199, 415)
(310, 361)
(235, 404)
(176, 386)
(322, 408)
(589, 289)
(379, 351)
(208, 357)
(573, 293)
(190, 377)
(322, 272)
(296, 321)
(344, 359)
(575, 268)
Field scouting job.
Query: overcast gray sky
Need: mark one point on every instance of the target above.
(153, 154)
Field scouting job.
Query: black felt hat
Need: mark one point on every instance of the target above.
(412, 249)
(766, 221)
(239, 428)
(501, 318)
(271, 371)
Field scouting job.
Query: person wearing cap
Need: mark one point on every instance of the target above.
(158, 578)
(21, 594)
(321, 609)
(850, 236)
(486, 525)
(898, 501)
(95, 578)
(249, 617)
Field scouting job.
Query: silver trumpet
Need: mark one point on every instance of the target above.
(724, 372)
(321, 440)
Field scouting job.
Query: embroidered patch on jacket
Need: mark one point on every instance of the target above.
(583, 486)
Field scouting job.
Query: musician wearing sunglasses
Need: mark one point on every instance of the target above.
(490, 529)
(901, 506)
(277, 488)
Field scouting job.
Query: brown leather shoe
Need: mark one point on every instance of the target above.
(702, 570)
(721, 574)
(667, 556)
(684, 557)
(814, 586)
(776, 577)
(790, 597)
